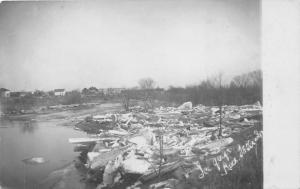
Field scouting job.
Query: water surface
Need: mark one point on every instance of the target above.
(25, 139)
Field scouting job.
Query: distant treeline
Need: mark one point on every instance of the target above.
(15, 105)
(242, 89)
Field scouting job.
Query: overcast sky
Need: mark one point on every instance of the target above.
(47, 45)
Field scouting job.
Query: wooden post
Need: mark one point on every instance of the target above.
(220, 104)
(220, 124)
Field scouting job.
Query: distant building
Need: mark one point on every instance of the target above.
(4, 92)
(118, 90)
(101, 91)
(59, 92)
(111, 91)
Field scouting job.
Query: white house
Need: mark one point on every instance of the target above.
(59, 92)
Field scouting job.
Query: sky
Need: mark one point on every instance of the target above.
(72, 45)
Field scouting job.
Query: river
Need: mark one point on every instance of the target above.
(28, 138)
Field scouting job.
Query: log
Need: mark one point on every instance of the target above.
(89, 140)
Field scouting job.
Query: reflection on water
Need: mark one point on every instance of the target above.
(29, 126)
(21, 140)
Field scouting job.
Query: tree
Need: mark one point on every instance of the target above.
(73, 97)
(85, 91)
(177, 94)
(248, 87)
(39, 93)
(147, 85)
(130, 94)
(253, 78)
(93, 90)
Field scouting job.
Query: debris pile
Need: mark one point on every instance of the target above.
(160, 149)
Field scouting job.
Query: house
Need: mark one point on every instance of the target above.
(59, 92)
(4, 92)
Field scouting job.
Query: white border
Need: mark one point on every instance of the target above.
(280, 63)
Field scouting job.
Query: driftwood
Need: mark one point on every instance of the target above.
(206, 124)
(212, 147)
(164, 169)
(90, 140)
(82, 147)
(105, 157)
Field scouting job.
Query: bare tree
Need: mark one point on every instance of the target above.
(147, 85)
(253, 78)
(240, 81)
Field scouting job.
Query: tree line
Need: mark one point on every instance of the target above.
(242, 89)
